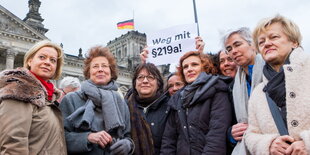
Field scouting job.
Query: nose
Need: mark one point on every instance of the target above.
(145, 80)
(267, 43)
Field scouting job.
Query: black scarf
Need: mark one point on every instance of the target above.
(276, 87)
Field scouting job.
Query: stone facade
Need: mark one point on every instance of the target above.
(17, 36)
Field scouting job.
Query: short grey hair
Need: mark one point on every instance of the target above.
(244, 32)
(69, 81)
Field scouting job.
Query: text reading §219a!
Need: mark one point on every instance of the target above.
(160, 51)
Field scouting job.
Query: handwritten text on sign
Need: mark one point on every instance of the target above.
(168, 45)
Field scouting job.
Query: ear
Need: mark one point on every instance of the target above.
(29, 62)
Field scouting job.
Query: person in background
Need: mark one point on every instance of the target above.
(238, 44)
(148, 109)
(225, 64)
(286, 82)
(31, 121)
(68, 84)
(200, 111)
(174, 83)
(96, 118)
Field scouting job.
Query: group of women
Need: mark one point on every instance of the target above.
(190, 116)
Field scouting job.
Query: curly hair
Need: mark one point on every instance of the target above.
(100, 51)
(207, 64)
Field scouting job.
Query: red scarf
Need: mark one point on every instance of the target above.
(48, 86)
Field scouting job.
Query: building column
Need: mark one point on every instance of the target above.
(10, 56)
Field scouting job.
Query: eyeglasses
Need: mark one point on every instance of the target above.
(149, 78)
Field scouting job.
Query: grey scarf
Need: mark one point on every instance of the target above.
(101, 110)
(240, 94)
(193, 91)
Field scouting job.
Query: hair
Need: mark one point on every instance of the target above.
(207, 64)
(100, 51)
(152, 69)
(216, 60)
(290, 29)
(69, 81)
(244, 33)
(46, 43)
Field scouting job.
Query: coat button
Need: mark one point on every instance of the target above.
(152, 124)
(184, 127)
(294, 123)
(289, 68)
(292, 95)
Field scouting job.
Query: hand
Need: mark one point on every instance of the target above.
(279, 145)
(199, 44)
(101, 138)
(297, 148)
(121, 147)
(238, 130)
(144, 55)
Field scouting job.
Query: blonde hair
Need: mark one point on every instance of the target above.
(46, 43)
(290, 29)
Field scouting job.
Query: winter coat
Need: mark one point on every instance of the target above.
(262, 129)
(30, 124)
(77, 142)
(199, 128)
(156, 116)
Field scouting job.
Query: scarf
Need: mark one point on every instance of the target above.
(193, 91)
(48, 86)
(276, 87)
(240, 94)
(140, 129)
(102, 110)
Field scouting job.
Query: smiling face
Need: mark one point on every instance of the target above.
(227, 66)
(275, 46)
(146, 84)
(240, 50)
(192, 66)
(100, 72)
(44, 63)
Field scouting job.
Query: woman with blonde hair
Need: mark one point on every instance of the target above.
(279, 107)
(31, 122)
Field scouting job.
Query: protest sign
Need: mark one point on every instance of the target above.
(168, 45)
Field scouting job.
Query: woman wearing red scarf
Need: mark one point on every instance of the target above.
(31, 122)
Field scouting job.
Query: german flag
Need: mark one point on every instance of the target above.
(128, 24)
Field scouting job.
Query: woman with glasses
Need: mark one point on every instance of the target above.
(148, 109)
(96, 118)
(200, 111)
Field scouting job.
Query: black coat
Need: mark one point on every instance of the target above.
(201, 127)
(156, 116)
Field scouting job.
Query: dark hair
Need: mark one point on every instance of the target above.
(152, 69)
(207, 63)
(100, 51)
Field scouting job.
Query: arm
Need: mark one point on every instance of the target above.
(257, 142)
(77, 142)
(170, 136)
(15, 118)
(220, 120)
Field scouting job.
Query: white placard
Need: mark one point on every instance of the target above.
(168, 45)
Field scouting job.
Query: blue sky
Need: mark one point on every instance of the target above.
(85, 23)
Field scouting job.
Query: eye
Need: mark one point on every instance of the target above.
(238, 44)
(41, 57)
(260, 43)
(96, 66)
(222, 61)
(230, 59)
(185, 66)
(53, 60)
(151, 77)
(228, 49)
(274, 36)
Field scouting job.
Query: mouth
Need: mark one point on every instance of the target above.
(191, 75)
(268, 51)
(45, 69)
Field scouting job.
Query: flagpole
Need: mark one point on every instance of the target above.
(196, 18)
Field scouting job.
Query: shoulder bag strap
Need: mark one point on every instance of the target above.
(277, 116)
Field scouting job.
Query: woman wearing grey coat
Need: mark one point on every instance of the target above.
(96, 118)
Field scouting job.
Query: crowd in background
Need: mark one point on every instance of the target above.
(249, 98)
